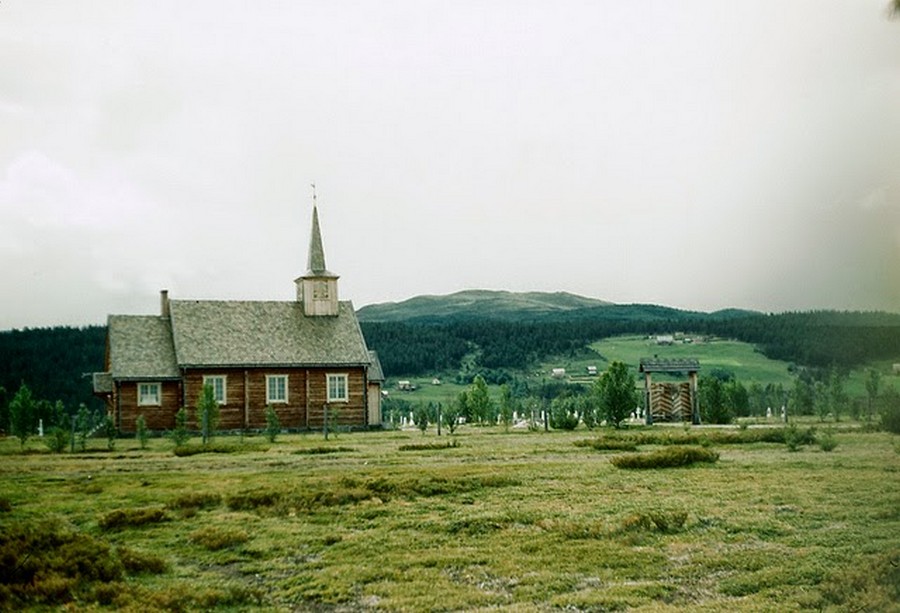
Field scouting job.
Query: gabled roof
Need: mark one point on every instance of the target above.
(244, 333)
(376, 373)
(140, 347)
(669, 365)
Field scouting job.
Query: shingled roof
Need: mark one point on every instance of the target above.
(242, 333)
(652, 365)
(140, 347)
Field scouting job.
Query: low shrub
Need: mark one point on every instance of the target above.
(429, 446)
(828, 442)
(870, 585)
(131, 518)
(253, 499)
(189, 450)
(138, 562)
(666, 458)
(322, 450)
(190, 597)
(46, 563)
(195, 500)
(719, 437)
(474, 526)
(57, 440)
(658, 521)
(215, 538)
(5, 505)
(607, 444)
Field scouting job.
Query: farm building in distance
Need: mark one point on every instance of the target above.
(301, 357)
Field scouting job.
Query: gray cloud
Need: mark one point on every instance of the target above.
(701, 155)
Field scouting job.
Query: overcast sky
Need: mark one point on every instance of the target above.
(699, 154)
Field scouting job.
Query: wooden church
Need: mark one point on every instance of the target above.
(301, 357)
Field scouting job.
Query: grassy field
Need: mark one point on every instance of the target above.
(401, 521)
(742, 359)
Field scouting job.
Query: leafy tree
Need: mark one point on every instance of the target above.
(181, 435)
(84, 424)
(141, 431)
(207, 412)
(616, 394)
(21, 414)
(564, 413)
(480, 403)
(464, 406)
(420, 417)
(837, 397)
(738, 398)
(890, 410)
(873, 386)
(273, 424)
(713, 401)
(395, 409)
(757, 398)
(588, 411)
(507, 406)
(450, 416)
(57, 439)
(804, 395)
(109, 429)
(4, 409)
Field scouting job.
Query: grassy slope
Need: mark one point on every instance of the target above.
(741, 358)
(765, 528)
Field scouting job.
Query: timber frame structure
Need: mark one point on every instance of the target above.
(671, 401)
(306, 358)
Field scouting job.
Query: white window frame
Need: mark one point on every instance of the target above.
(146, 398)
(335, 377)
(212, 380)
(270, 399)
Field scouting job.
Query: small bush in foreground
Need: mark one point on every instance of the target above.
(195, 500)
(322, 450)
(215, 538)
(57, 440)
(666, 458)
(607, 444)
(828, 442)
(659, 521)
(872, 585)
(429, 446)
(46, 563)
(188, 450)
(130, 518)
(137, 562)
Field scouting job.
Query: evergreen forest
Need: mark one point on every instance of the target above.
(55, 362)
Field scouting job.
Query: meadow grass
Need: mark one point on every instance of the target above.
(517, 521)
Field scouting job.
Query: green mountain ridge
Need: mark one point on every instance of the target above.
(478, 302)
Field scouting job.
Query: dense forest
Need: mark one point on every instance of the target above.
(818, 339)
(54, 362)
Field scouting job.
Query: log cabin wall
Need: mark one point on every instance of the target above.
(245, 397)
(161, 417)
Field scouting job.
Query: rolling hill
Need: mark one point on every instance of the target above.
(479, 303)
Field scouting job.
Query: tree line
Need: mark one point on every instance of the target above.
(54, 362)
(821, 339)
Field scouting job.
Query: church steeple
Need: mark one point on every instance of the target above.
(315, 263)
(317, 289)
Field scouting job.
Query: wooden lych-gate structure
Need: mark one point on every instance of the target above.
(671, 401)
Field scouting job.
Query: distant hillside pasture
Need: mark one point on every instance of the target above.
(742, 359)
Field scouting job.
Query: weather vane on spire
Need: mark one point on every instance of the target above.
(313, 185)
